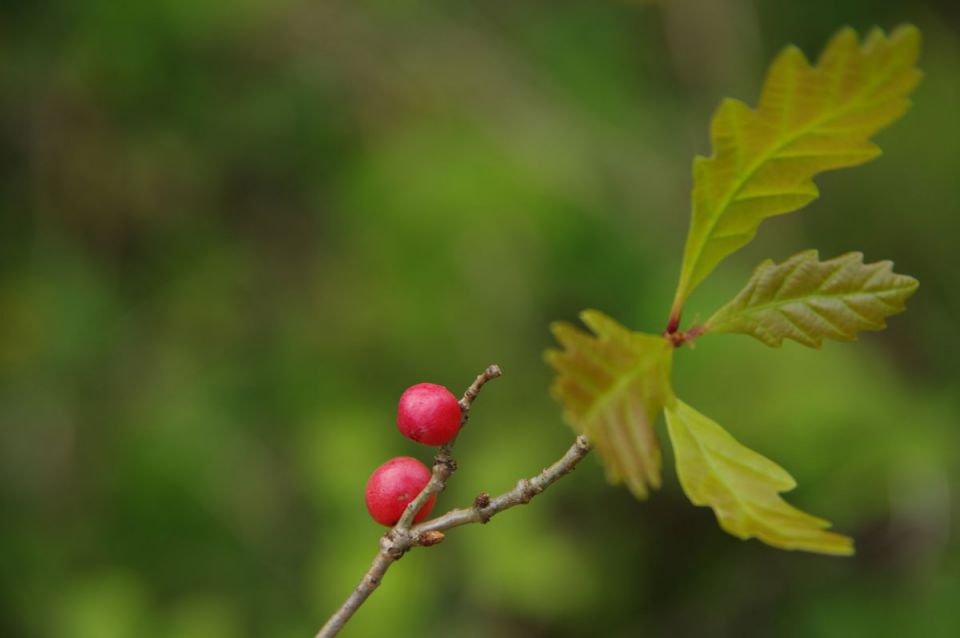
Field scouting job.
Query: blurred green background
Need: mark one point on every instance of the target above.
(231, 233)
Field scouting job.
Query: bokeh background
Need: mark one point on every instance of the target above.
(231, 233)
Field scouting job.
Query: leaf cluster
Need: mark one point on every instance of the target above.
(613, 382)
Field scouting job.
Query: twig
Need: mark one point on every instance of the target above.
(484, 507)
(402, 537)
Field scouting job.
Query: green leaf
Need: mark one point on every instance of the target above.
(743, 487)
(808, 300)
(809, 120)
(612, 387)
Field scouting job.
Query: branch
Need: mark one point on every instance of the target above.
(402, 537)
(484, 508)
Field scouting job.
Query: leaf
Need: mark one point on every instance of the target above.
(743, 487)
(808, 300)
(809, 120)
(612, 387)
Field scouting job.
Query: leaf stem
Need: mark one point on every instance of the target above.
(679, 337)
(674, 324)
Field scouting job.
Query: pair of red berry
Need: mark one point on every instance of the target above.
(428, 414)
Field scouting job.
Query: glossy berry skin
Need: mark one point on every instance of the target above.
(428, 414)
(393, 485)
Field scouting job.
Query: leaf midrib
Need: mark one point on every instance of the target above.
(750, 507)
(770, 154)
(621, 384)
(805, 299)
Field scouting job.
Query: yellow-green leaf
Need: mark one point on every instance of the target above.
(809, 119)
(743, 487)
(808, 300)
(612, 386)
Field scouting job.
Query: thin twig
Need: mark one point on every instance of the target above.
(402, 537)
(484, 507)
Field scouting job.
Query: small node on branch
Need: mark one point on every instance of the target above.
(448, 464)
(481, 506)
(678, 338)
(525, 490)
(431, 538)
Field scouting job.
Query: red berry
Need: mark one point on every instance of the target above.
(429, 414)
(393, 485)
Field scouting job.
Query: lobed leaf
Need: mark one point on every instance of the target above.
(808, 300)
(809, 119)
(612, 385)
(743, 487)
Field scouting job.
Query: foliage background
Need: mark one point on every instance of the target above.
(232, 233)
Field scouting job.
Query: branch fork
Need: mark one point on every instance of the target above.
(404, 535)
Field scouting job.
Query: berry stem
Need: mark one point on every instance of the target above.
(402, 537)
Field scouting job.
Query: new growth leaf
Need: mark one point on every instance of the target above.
(809, 119)
(612, 387)
(614, 382)
(808, 300)
(743, 487)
